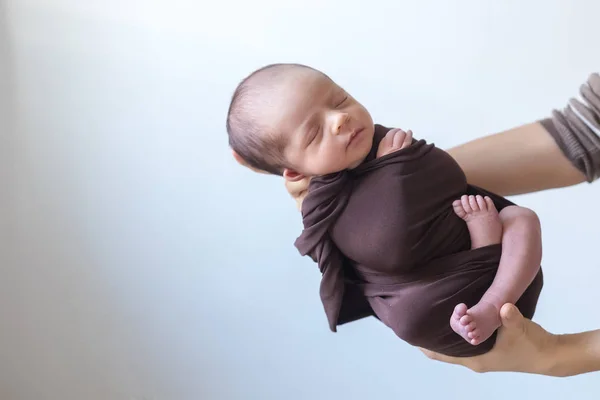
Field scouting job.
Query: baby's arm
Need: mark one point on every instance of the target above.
(395, 139)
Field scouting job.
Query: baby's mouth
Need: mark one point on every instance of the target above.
(354, 135)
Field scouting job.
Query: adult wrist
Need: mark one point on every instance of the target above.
(555, 355)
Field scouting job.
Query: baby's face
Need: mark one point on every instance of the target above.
(325, 129)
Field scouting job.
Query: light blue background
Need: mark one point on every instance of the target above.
(139, 261)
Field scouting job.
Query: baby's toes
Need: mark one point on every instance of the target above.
(481, 203)
(471, 327)
(458, 209)
(460, 311)
(473, 203)
(475, 341)
(474, 334)
(464, 200)
(490, 203)
(466, 320)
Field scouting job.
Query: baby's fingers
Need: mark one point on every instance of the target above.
(386, 144)
(399, 136)
(407, 139)
(388, 139)
(395, 139)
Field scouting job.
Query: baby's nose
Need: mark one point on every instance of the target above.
(339, 122)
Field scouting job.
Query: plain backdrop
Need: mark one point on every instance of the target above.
(139, 261)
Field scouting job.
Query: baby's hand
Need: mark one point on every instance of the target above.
(396, 139)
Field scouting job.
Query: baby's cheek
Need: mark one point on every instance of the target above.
(329, 162)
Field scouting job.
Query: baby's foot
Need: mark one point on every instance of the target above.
(484, 319)
(482, 219)
(477, 324)
(461, 323)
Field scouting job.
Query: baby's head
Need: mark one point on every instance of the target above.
(294, 121)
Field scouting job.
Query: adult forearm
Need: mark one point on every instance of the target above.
(558, 151)
(576, 354)
(520, 160)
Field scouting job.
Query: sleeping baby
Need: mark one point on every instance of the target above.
(395, 228)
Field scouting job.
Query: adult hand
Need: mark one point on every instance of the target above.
(521, 346)
(298, 190)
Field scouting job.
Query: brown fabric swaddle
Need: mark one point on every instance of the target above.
(389, 245)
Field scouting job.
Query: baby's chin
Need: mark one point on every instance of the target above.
(368, 143)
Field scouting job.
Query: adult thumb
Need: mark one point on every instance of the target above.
(512, 317)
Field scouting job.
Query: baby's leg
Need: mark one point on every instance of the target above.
(519, 264)
(485, 228)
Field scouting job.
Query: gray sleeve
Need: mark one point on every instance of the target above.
(576, 129)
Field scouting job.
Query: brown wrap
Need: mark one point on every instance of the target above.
(389, 245)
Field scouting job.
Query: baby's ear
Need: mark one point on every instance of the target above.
(243, 163)
(292, 176)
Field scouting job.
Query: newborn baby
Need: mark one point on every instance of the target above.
(387, 217)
